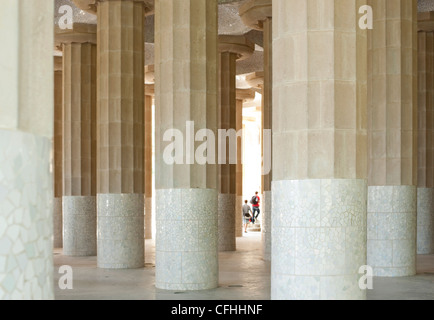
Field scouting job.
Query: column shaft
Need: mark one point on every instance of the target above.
(425, 176)
(148, 167)
(26, 132)
(393, 138)
(58, 159)
(79, 145)
(120, 190)
(186, 195)
(239, 172)
(267, 124)
(319, 157)
(227, 170)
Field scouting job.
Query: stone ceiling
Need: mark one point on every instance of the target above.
(229, 24)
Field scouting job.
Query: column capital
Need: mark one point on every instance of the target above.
(255, 79)
(149, 89)
(425, 21)
(58, 63)
(254, 12)
(80, 33)
(247, 95)
(149, 74)
(90, 6)
(240, 45)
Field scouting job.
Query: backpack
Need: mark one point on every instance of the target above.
(254, 200)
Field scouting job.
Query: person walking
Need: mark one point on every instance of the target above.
(246, 215)
(255, 203)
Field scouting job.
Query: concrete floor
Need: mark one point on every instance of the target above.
(243, 276)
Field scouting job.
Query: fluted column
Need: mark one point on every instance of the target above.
(58, 154)
(319, 150)
(120, 152)
(393, 138)
(149, 97)
(258, 15)
(26, 132)
(186, 190)
(79, 140)
(232, 48)
(425, 172)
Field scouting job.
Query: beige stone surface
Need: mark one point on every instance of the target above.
(186, 85)
(393, 94)
(79, 119)
(319, 100)
(120, 97)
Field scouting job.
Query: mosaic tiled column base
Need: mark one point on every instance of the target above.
(392, 230)
(186, 240)
(26, 217)
(148, 218)
(57, 223)
(79, 226)
(266, 225)
(239, 217)
(319, 239)
(226, 222)
(425, 220)
(120, 231)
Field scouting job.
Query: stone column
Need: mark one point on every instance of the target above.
(58, 154)
(232, 48)
(243, 95)
(186, 190)
(120, 173)
(319, 150)
(393, 138)
(149, 97)
(425, 173)
(257, 14)
(26, 132)
(79, 139)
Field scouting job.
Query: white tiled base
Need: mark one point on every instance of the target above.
(319, 239)
(425, 220)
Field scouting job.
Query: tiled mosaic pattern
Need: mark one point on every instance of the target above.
(319, 239)
(26, 217)
(57, 223)
(148, 218)
(79, 226)
(425, 220)
(392, 230)
(186, 239)
(266, 224)
(120, 231)
(226, 222)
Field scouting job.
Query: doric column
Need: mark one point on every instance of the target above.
(392, 138)
(79, 139)
(258, 15)
(319, 150)
(26, 132)
(58, 154)
(425, 172)
(232, 48)
(149, 97)
(120, 173)
(243, 95)
(186, 186)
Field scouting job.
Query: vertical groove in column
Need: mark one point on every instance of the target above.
(186, 195)
(120, 190)
(79, 145)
